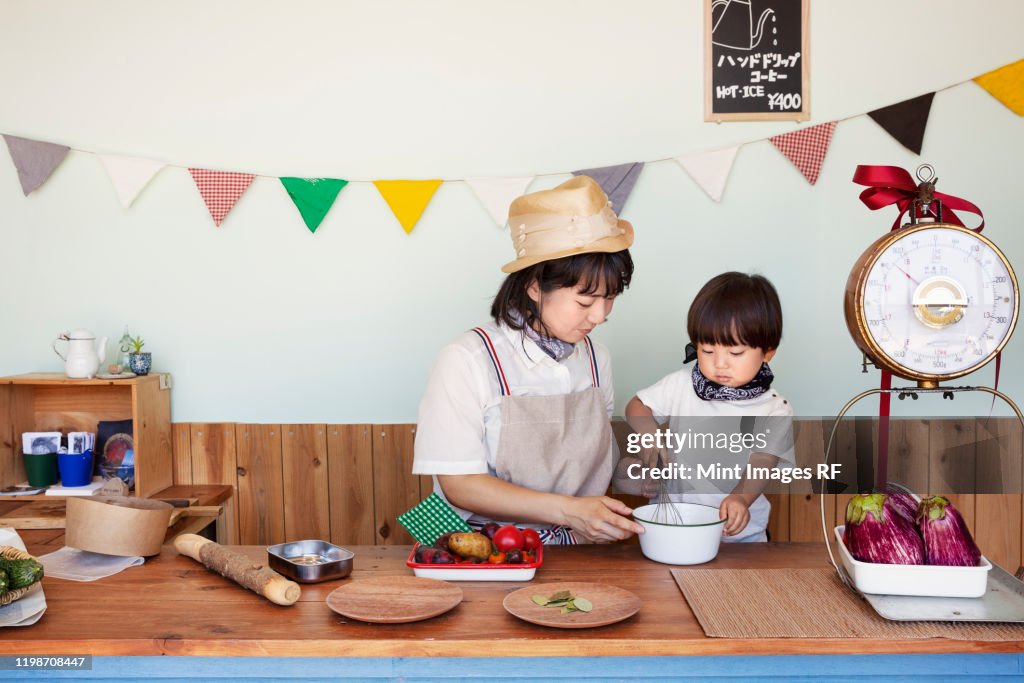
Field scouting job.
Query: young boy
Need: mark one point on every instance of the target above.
(735, 325)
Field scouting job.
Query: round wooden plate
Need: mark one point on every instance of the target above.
(611, 604)
(394, 599)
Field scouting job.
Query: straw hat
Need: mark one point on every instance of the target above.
(573, 218)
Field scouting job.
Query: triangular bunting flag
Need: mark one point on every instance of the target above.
(906, 120)
(616, 181)
(710, 170)
(34, 160)
(806, 148)
(407, 198)
(220, 189)
(129, 175)
(313, 197)
(1006, 84)
(497, 193)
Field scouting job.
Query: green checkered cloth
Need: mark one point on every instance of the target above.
(431, 518)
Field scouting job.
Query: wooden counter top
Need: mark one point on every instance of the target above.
(173, 606)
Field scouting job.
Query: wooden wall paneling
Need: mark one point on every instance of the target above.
(307, 512)
(213, 462)
(952, 463)
(909, 449)
(181, 453)
(260, 484)
(397, 489)
(351, 484)
(804, 510)
(999, 468)
(778, 521)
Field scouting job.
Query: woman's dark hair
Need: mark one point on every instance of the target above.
(607, 274)
(736, 308)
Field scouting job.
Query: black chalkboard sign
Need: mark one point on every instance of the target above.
(756, 60)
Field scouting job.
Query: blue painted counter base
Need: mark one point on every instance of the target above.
(956, 667)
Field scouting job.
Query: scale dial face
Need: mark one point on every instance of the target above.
(932, 301)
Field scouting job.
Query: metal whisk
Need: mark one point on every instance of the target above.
(666, 509)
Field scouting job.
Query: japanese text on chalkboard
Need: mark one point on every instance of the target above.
(756, 59)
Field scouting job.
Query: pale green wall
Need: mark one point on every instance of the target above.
(260, 321)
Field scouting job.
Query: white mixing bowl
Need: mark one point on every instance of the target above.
(693, 542)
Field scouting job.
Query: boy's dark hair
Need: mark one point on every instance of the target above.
(736, 308)
(591, 272)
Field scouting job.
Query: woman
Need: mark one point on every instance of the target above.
(514, 423)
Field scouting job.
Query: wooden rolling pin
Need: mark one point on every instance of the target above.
(240, 568)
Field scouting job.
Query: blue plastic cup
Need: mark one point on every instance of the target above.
(75, 468)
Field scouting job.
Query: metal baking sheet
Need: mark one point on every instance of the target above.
(1002, 602)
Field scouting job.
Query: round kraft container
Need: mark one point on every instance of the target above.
(117, 525)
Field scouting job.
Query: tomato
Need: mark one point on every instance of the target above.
(497, 558)
(507, 537)
(531, 539)
(528, 558)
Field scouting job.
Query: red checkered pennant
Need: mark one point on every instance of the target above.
(806, 148)
(220, 189)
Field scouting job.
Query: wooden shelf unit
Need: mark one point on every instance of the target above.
(40, 402)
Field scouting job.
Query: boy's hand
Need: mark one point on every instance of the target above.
(736, 513)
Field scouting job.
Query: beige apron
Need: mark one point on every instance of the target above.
(556, 444)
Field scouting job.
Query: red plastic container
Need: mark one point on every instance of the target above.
(476, 572)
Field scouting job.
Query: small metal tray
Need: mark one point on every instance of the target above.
(310, 561)
(1003, 601)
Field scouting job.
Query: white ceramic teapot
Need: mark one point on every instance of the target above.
(85, 354)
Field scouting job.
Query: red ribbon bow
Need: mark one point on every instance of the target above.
(894, 185)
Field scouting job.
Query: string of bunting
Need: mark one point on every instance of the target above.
(35, 161)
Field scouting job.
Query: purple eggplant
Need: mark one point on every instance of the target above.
(947, 541)
(876, 532)
(905, 504)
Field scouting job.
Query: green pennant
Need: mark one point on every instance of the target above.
(313, 197)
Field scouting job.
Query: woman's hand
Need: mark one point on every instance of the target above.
(599, 518)
(736, 512)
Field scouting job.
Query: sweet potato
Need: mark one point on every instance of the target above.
(470, 545)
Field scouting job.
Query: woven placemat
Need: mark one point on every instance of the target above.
(806, 603)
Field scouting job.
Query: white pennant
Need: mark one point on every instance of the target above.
(497, 193)
(129, 175)
(710, 170)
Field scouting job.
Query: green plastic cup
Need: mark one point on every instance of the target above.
(41, 468)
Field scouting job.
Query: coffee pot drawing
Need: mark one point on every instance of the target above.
(733, 24)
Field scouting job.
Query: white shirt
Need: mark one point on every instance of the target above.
(459, 420)
(673, 397)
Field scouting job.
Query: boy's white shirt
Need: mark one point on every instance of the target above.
(673, 397)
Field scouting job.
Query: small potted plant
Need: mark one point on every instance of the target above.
(139, 361)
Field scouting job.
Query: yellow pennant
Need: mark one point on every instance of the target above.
(1006, 84)
(407, 198)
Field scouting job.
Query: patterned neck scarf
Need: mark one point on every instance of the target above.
(708, 390)
(556, 348)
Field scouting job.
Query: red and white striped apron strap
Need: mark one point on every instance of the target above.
(556, 535)
(498, 371)
(594, 376)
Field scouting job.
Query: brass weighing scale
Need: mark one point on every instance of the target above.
(931, 302)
